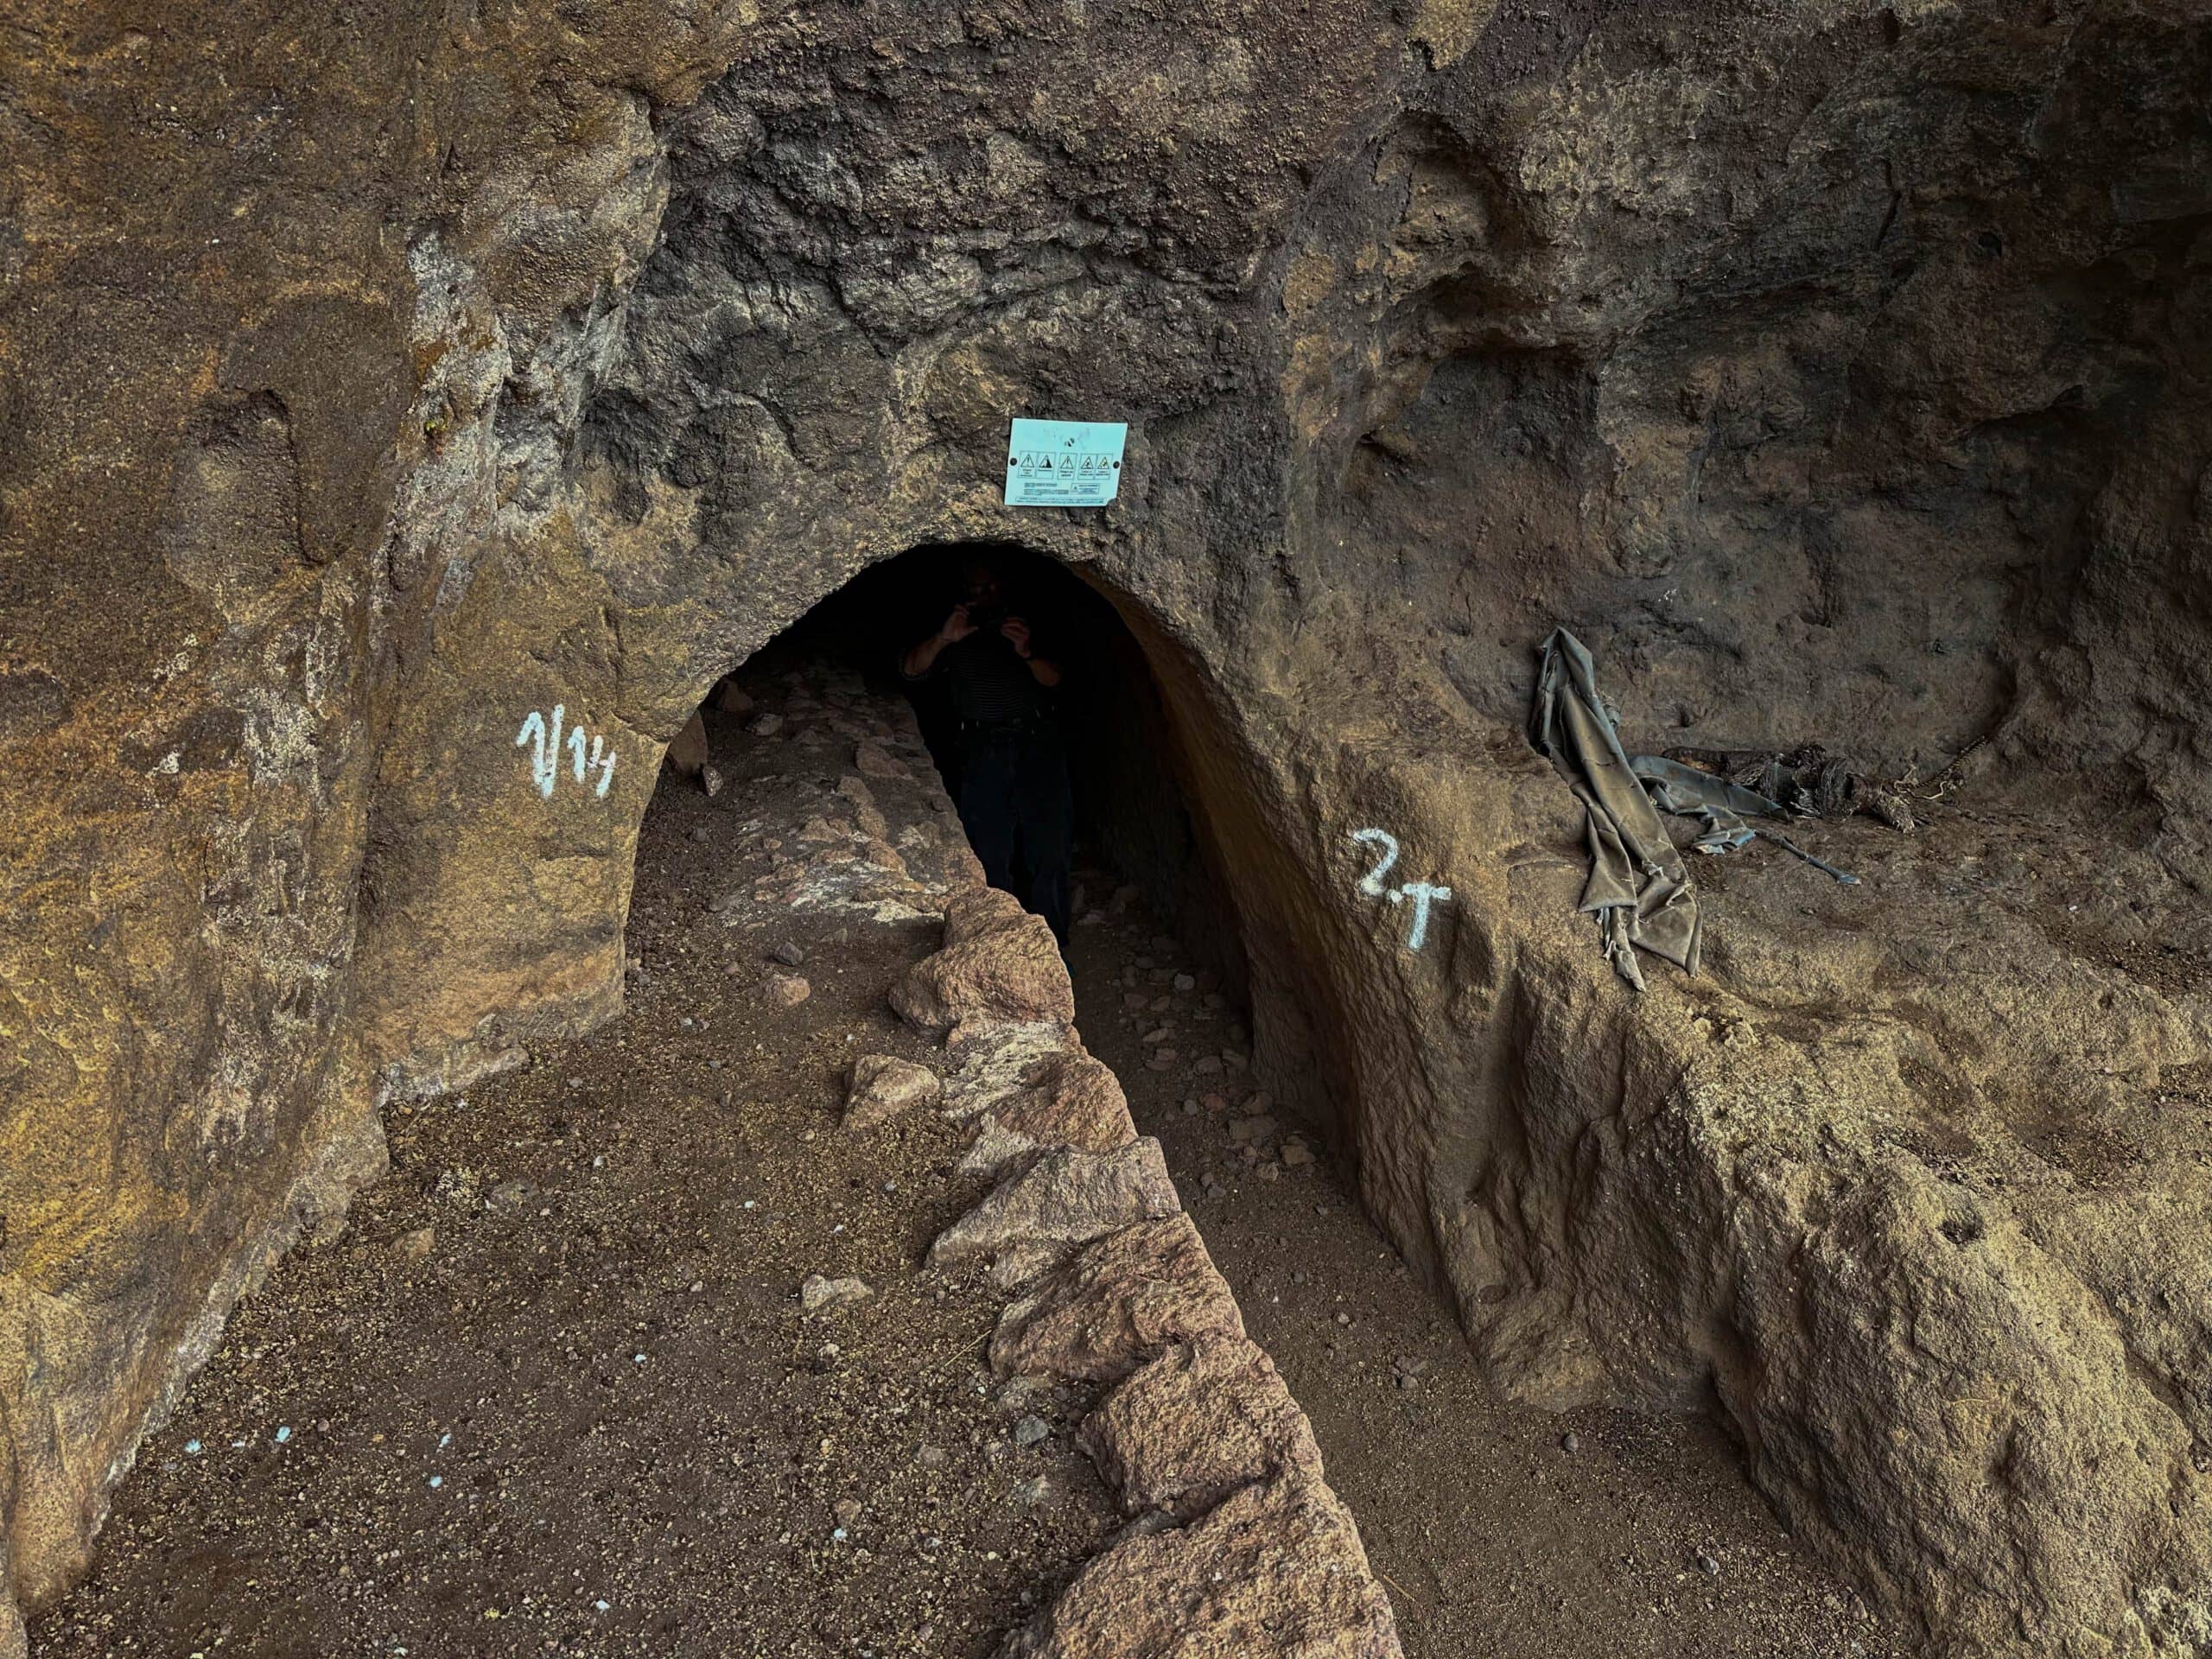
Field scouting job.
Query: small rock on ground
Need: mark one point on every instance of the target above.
(818, 1295)
(883, 1087)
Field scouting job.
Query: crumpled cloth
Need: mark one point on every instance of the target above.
(1639, 888)
(1676, 788)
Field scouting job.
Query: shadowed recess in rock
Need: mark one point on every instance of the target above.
(1109, 723)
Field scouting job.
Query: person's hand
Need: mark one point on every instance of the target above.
(1016, 634)
(956, 627)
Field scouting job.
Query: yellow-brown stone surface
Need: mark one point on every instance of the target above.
(377, 380)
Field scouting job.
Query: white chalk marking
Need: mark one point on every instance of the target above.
(544, 738)
(1423, 894)
(545, 758)
(1372, 883)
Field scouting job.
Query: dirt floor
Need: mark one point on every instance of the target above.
(553, 1390)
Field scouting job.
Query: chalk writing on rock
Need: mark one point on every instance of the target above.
(1372, 883)
(1422, 893)
(588, 752)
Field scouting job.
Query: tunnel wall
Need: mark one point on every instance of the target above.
(1129, 765)
(1837, 373)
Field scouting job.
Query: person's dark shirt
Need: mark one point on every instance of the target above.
(990, 686)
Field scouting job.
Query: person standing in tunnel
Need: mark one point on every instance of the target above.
(1013, 792)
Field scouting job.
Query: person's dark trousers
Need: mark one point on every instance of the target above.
(988, 766)
(1014, 795)
(1045, 806)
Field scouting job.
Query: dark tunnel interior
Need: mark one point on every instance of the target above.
(1134, 835)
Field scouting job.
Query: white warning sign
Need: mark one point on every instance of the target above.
(1064, 463)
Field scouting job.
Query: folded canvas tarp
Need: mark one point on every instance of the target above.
(1675, 787)
(1639, 888)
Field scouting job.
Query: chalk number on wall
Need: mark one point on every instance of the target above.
(545, 737)
(1422, 894)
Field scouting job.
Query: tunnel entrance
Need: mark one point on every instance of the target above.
(1133, 839)
(1637, 1504)
(647, 1346)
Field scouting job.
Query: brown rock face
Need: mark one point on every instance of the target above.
(1276, 1569)
(874, 761)
(882, 1088)
(979, 912)
(1072, 1100)
(999, 962)
(1205, 1418)
(1116, 1303)
(1067, 1099)
(411, 412)
(1063, 1200)
(687, 751)
(785, 990)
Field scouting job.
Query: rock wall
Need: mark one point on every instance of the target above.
(374, 384)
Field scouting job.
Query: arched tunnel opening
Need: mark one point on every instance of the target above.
(1368, 1341)
(1106, 738)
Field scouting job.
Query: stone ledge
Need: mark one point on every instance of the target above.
(1240, 1547)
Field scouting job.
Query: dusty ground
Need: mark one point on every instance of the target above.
(553, 1390)
(1500, 1531)
(593, 1419)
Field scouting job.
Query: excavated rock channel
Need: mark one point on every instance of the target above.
(381, 379)
(1500, 1529)
(557, 1387)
